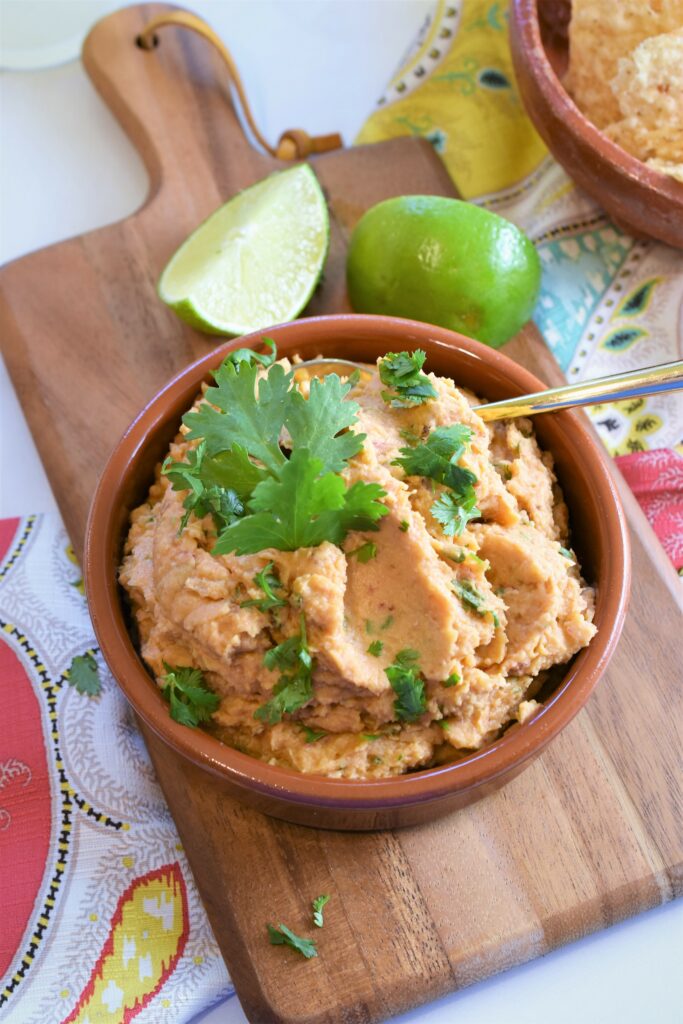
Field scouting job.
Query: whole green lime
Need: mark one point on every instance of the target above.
(445, 262)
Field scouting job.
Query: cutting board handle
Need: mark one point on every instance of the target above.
(148, 67)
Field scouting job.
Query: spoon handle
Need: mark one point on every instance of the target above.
(634, 384)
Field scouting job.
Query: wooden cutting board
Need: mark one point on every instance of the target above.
(590, 833)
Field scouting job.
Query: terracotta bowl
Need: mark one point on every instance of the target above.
(599, 536)
(641, 201)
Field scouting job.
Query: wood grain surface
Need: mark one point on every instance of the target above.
(591, 833)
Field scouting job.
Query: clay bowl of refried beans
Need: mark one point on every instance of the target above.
(439, 661)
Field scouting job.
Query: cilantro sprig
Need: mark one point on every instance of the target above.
(190, 700)
(294, 688)
(404, 676)
(437, 458)
(284, 936)
(274, 501)
(269, 582)
(247, 355)
(400, 371)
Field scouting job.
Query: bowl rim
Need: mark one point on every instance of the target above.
(524, 17)
(518, 744)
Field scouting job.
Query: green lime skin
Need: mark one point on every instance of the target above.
(446, 262)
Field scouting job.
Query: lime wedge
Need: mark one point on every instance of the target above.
(256, 261)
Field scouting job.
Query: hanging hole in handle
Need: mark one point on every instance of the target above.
(147, 44)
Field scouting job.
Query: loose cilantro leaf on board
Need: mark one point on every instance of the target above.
(247, 355)
(437, 458)
(83, 674)
(472, 598)
(376, 648)
(299, 508)
(318, 904)
(269, 582)
(282, 936)
(294, 688)
(406, 683)
(400, 371)
(190, 700)
(365, 552)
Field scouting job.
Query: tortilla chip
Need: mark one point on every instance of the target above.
(648, 86)
(600, 33)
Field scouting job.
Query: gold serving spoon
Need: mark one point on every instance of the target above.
(635, 384)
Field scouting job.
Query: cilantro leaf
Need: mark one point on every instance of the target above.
(452, 680)
(365, 552)
(320, 423)
(190, 700)
(471, 597)
(313, 735)
(318, 904)
(299, 508)
(294, 688)
(454, 513)
(282, 936)
(400, 371)
(406, 683)
(247, 355)
(204, 496)
(567, 554)
(247, 415)
(437, 458)
(83, 674)
(376, 648)
(268, 581)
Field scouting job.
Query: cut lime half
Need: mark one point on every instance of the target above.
(256, 261)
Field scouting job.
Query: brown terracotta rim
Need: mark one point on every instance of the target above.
(517, 745)
(525, 13)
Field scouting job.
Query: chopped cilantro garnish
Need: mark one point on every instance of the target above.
(376, 648)
(370, 735)
(83, 674)
(567, 554)
(312, 735)
(268, 581)
(190, 700)
(409, 435)
(406, 683)
(452, 680)
(387, 622)
(247, 355)
(472, 598)
(283, 936)
(365, 552)
(318, 904)
(404, 526)
(369, 626)
(294, 688)
(437, 459)
(400, 371)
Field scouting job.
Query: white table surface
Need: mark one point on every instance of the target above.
(66, 167)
